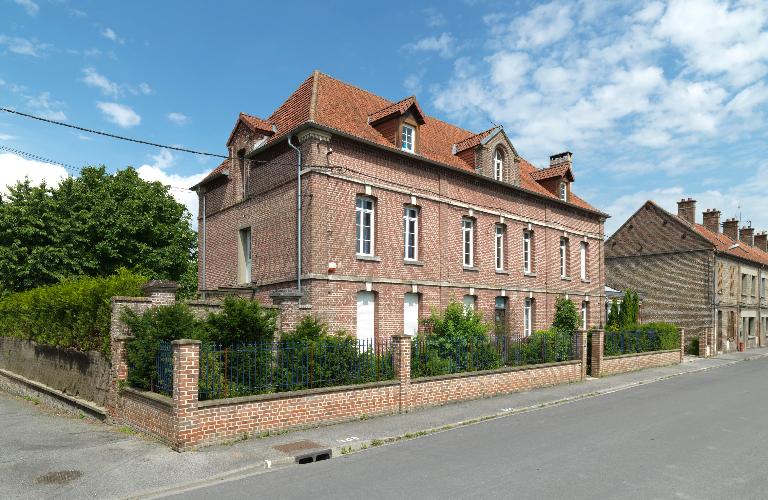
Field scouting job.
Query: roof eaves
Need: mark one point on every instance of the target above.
(211, 178)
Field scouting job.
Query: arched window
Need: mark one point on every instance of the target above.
(498, 164)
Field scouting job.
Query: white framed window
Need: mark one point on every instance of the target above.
(528, 317)
(244, 257)
(411, 314)
(407, 138)
(366, 316)
(564, 191)
(469, 303)
(499, 247)
(498, 164)
(583, 255)
(364, 221)
(527, 256)
(411, 233)
(584, 314)
(563, 257)
(468, 240)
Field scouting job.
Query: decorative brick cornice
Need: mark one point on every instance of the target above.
(314, 134)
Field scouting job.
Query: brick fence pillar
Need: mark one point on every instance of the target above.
(161, 292)
(119, 373)
(186, 374)
(583, 335)
(682, 343)
(401, 344)
(290, 309)
(703, 343)
(598, 340)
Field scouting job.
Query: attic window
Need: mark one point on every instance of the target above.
(564, 191)
(407, 138)
(498, 164)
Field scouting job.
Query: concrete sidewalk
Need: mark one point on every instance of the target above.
(46, 455)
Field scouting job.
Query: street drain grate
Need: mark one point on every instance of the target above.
(59, 477)
(314, 452)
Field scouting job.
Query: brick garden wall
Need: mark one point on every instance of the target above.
(634, 362)
(148, 412)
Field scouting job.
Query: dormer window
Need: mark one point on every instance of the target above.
(498, 164)
(407, 138)
(564, 191)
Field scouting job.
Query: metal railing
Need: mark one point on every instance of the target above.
(281, 366)
(164, 367)
(434, 356)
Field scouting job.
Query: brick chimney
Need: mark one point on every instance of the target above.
(712, 220)
(561, 158)
(686, 210)
(761, 241)
(746, 235)
(731, 229)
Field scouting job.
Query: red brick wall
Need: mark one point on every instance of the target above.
(148, 415)
(633, 362)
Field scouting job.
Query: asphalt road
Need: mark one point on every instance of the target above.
(696, 436)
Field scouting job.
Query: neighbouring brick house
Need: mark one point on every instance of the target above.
(400, 213)
(692, 274)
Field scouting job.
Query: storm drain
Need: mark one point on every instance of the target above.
(305, 452)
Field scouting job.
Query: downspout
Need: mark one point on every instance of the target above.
(298, 214)
(203, 245)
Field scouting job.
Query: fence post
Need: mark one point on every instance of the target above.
(598, 340)
(583, 351)
(119, 374)
(186, 375)
(402, 353)
(703, 344)
(682, 343)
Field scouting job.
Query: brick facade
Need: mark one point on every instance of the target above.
(338, 168)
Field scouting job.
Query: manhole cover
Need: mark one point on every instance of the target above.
(59, 477)
(297, 446)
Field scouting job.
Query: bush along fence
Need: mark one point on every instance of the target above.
(214, 394)
(647, 346)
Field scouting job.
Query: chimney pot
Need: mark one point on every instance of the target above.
(731, 229)
(686, 210)
(712, 220)
(746, 235)
(761, 241)
(560, 158)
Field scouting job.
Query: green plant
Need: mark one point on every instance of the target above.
(73, 314)
(692, 346)
(241, 321)
(613, 315)
(566, 316)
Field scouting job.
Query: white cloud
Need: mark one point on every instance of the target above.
(31, 7)
(119, 114)
(47, 108)
(442, 44)
(145, 89)
(110, 34)
(544, 25)
(14, 168)
(158, 171)
(177, 118)
(93, 79)
(433, 17)
(6, 137)
(24, 46)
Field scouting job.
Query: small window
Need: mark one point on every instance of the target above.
(500, 316)
(563, 257)
(498, 165)
(564, 191)
(527, 251)
(528, 317)
(407, 138)
(584, 259)
(584, 314)
(469, 303)
(499, 247)
(411, 232)
(244, 257)
(364, 226)
(468, 239)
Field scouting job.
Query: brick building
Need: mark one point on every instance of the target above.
(692, 274)
(400, 213)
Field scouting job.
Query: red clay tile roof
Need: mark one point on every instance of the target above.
(397, 108)
(213, 173)
(345, 108)
(474, 140)
(257, 123)
(550, 172)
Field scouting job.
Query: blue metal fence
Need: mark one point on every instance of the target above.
(259, 368)
(631, 342)
(164, 367)
(435, 356)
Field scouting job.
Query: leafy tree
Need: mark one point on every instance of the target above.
(91, 225)
(241, 321)
(613, 314)
(566, 316)
(628, 314)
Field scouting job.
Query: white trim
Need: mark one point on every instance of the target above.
(360, 226)
(468, 241)
(498, 244)
(527, 254)
(410, 215)
(408, 138)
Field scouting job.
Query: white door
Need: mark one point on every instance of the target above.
(411, 314)
(365, 315)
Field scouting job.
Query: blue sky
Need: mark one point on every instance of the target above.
(657, 100)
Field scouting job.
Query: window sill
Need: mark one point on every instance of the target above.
(501, 271)
(586, 280)
(370, 258)
(529, 275)
(566, 278)
(408, 262)
(472, 269)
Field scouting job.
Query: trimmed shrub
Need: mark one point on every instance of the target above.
(73, 314)
(566, 316)
(642, 338)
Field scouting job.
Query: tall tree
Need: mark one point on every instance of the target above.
(92, 225)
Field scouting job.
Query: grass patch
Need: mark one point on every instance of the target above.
(126, 430)
(32, 400)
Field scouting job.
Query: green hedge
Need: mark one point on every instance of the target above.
(74, 313)
(642, 338)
